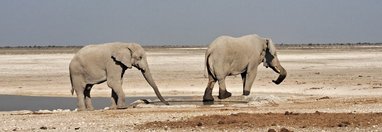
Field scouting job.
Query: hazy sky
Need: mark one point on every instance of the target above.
(150, 22)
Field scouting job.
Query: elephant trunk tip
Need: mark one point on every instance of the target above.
(281, 77)
(276, 82)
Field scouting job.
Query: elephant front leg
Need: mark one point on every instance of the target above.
(248, 81)
(114, 100)
(117, 100)
(118, 96)
(223, 93)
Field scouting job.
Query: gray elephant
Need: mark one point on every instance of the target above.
(228, 56)
(95, 64)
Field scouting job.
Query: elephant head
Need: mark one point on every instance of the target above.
(271, 60)
(134, 55)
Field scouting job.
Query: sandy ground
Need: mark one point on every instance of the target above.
(340, 87)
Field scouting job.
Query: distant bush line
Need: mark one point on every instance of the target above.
(40, 47)
(312, 45)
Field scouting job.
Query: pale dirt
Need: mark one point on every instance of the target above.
(325, 80)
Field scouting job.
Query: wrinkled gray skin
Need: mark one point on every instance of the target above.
(95, 64)
(228, 56)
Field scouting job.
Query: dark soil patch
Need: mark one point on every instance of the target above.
(290, 119)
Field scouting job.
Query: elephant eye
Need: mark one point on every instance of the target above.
(140, 57)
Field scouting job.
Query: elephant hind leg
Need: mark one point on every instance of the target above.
(88, 101)
(223, 93)
(80, 97)
(208, 92)
(78, 85)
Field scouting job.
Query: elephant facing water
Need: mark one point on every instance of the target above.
(228, 56)
(95, 64)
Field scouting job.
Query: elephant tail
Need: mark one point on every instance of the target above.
(71, 82)
(72, 91)
(208, 69)
(205, 71)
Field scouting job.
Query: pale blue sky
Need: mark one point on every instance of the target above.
(151, 22)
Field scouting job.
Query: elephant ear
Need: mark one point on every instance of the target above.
(123, 56)
(269, 52)
(271, 47)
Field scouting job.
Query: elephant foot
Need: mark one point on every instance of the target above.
(208, 95)
(246, 93)
(90, 109)
(121, 107)
(112, 107)
(208, 98)
(81, 109)
(274, 81)
(224, 94)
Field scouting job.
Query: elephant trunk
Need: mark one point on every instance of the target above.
(146, 73)
(282, 75)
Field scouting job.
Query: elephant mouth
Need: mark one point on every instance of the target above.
(142, 70)
(139, 68)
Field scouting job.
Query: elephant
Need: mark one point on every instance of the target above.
(95, 64)
(228, 56)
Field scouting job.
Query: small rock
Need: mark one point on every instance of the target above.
(326, 97)
(344, 124)
(271, 130)
(290, 113)
(43, 128)
(284, 130)
(199, 124)
(220, 122)
(317, 73)
(360, 76)
(77, 128)
(315, 88)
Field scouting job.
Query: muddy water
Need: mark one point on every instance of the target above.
(34, 103)
(12, 102)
